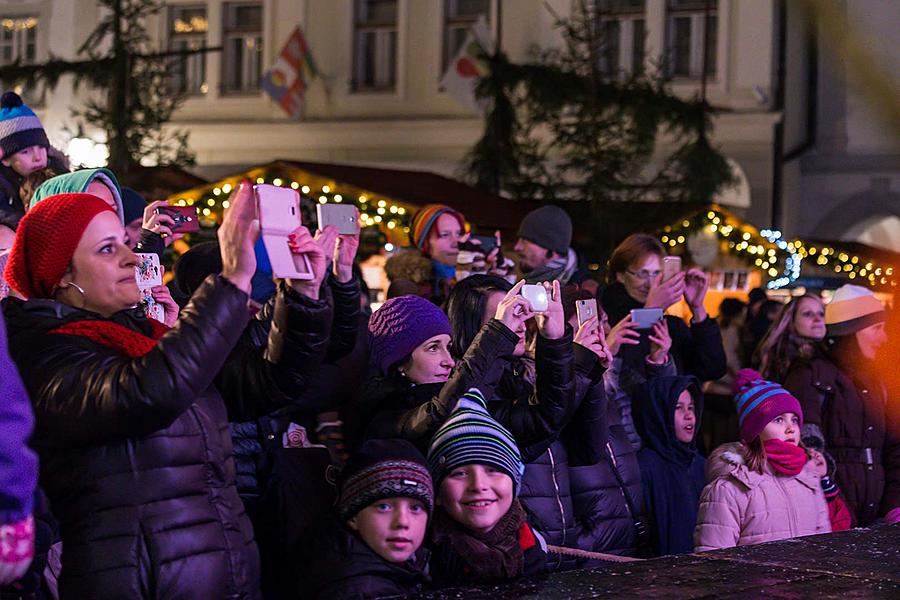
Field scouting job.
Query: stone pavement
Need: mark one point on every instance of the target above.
(860, 563)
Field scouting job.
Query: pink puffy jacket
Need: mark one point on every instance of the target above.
(740, 507)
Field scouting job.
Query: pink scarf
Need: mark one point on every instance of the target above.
(784, 457)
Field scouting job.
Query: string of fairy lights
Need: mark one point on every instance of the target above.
(781, 260)
(374, 211)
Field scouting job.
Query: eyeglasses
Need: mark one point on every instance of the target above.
(644, 274)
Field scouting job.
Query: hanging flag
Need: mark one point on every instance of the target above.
(469, 65)
(286, 82)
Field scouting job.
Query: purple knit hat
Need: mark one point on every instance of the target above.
(759, 401)
(400, 326)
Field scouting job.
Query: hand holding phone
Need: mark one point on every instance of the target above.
(184, 218)
(671, 267)
(585, 309)
(279, 218)
(513, 310)
(343, 216)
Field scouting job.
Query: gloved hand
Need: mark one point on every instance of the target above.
(16, 549)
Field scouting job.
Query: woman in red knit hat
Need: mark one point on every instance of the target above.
(131, 415)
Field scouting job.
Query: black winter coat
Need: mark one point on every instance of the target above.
(697, 350)
(335, 564)
(329, 333)
(136, 453)
(599, 500)
(546, 491)
(671, 471)
(845, 405)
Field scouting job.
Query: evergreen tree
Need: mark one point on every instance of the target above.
(564, 128)
(132, 100)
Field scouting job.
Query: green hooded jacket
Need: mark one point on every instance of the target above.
(78, 182)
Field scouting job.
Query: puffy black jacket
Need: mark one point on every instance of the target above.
(136, 453)
(328, 334)
(547, 497)
(598, 499)
(546, 490)
(335, 564)
(534, 408)
(697, 350)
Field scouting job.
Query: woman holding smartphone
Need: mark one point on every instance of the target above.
(132, 416)
(636, 281)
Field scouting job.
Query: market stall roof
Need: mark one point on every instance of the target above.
(783, 260)
(159, 182)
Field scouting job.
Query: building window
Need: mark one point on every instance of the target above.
(692, 32)
(18, 40)
(621, 27)
(375, 45)
(243, 46)
(187, 31)
(459, 16)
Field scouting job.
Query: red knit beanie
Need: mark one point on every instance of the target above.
(46, 240)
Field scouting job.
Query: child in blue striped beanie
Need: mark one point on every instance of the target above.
(480, 531)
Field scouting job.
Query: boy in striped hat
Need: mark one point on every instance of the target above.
(480, 531)
(23, 150)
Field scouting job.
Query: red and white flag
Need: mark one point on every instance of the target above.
(470, 65)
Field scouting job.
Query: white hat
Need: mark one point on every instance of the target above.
(851, 309)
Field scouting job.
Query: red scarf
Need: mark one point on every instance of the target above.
(132, 344)
(784, 457)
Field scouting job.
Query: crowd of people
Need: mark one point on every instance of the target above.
(274, 438)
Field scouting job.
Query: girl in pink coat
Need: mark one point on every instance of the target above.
(763, 489)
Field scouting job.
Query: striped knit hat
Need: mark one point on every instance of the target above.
(425, 219)
(470, 435)
(383, 469)
(758, 401)
(851, 309)
(19, 126)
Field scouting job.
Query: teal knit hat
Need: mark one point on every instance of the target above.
(470, 435)
(77, 182)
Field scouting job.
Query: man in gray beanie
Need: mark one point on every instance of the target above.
(543, 247)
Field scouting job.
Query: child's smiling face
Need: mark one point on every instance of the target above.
(476, 496)
(685, 419)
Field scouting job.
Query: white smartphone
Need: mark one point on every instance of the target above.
(671, 267)
(585, 309)
(278, 209)
(344, 216)
(537, 297)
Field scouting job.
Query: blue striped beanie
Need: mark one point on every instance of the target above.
(758, 401)
(19, 126)
(470, 435)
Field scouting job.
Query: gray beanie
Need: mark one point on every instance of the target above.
(549, 227)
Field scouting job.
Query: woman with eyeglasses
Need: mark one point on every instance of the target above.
(635, 281)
